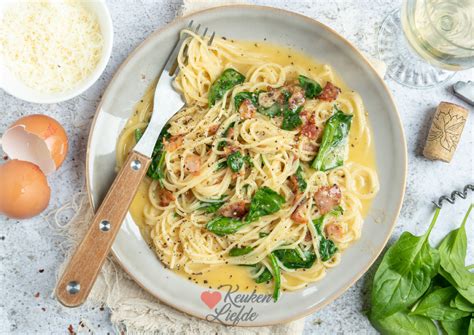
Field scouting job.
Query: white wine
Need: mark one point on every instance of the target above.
(441, 31)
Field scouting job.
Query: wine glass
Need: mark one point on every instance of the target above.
(427, 40)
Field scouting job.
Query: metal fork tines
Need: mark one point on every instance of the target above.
(167, 101)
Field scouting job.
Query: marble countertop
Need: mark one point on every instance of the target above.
(30, 252)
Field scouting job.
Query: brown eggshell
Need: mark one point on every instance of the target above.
(24, 190)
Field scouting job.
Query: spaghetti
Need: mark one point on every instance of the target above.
(256, 169)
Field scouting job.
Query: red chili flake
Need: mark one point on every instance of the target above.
(71, 330)
(5, 157)
(101, 308)
(37, 294)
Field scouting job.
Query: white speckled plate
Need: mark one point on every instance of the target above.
(300, 33)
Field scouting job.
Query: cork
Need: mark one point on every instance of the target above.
(445, 131)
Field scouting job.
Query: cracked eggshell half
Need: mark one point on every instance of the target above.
(38, 139)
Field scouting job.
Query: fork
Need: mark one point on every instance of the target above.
(83, 268)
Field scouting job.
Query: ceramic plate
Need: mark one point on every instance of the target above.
(287, 29)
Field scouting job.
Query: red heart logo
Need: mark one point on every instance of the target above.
(211, 298)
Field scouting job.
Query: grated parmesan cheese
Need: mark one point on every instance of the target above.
(49, 45)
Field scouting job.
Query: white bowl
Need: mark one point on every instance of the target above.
(17, 88)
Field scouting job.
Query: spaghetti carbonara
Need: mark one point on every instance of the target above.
(255, 171)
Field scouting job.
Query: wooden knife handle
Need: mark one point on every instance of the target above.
(81, 272)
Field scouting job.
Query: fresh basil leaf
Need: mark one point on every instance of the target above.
(311, 87)
(456, 327)
(291, 259)
(291, 119)
(404, 274)
(402, 323)
(138, 134)
(264, 277)
(264, 202)
(333, 149)
(223, 226)
(240, 97)
(300, 179)
(462, 304)
(235, 161)
(276, 276)
(452, 251)
(436, 305)
(227, 80)
(234, 252)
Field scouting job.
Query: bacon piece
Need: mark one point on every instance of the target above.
(213, 129)
(173, 143)
(294, 187)
(247, 110)
(327, 197)
(310, 147)
(309, 128)
(330, 92)
(298, 215)
(235, 210)
(165, 197)
(192, 164)
(334, 231)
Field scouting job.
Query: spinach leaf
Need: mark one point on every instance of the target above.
(276, 276)
(436, 305)
(333, 147)
(470, 330)
(462, 304)
(138, 134)
(221, 165)
(311, 87)
(264, 202)
(274, 110)
(213, 205)
(327, 249)
(300, 179)
(452, 251)
(221, 145)
(264, 277)
(157, 166)
(404, 274)
(240, 97)
(248, 161)
(291, 259)
(456, 327)
(291, 118)
(223, 226)
(402, 323)
(235, 251)
(262, 234)
(227, 80)
(235, 161)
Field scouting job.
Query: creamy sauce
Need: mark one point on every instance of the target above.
(360, 151)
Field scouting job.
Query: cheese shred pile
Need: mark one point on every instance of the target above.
(51, 46)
